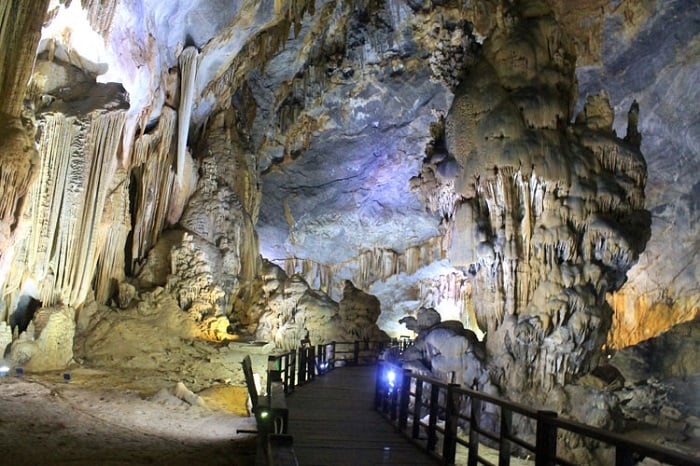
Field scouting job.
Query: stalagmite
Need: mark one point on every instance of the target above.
(189, 59)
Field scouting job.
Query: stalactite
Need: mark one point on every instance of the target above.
(153, 167)
(368, 266)
(101, 146)
(189, 61)
(78, 159)
(57, 134)
(116, 224)
(20, 31)
(100, 14)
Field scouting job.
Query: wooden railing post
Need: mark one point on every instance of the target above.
(473, 458)
(271, 369)
(417, 403)
(356, 353)
(546, 444)
(506, 431)
(311, 366)
(283, 372)
(404, 399)
(301, 365)
(449, 445)
(432, 419)
(291, 369)
(320, 358)
(332, 361)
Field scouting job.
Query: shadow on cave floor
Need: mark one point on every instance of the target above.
(50, 422)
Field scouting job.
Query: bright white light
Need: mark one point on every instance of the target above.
(4, 370)
(264, 414)
(391, 377)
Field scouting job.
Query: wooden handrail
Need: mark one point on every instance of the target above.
(296, 367)
(291, 369)
(449, 405)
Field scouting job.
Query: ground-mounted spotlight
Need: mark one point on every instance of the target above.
(4, 370)
(264, 414)
(322, 366)
(66, 377)
(19, 372)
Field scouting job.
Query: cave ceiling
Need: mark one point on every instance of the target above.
(339, 107)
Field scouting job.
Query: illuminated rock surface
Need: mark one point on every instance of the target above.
(180, 175)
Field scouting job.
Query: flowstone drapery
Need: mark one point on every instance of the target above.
(78, 207)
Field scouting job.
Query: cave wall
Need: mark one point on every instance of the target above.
(426, 151)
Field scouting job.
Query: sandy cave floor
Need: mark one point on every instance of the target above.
(107, 418)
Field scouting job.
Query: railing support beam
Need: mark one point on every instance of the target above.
(473, 458)
(432, 419)
(404, 399)
(417, 404)
(546, 445)
(452, 405)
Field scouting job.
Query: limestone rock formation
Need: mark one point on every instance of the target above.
(286, 310)
(218, 251)
(671, 354)
(449, 352)
(662, 288)
(662, 376)
(425, 318)
(78, 199)
(47, 344)
(550, 215)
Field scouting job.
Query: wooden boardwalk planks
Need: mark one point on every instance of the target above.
(333, 423)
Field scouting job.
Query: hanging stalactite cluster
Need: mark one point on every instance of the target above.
(68, 208)
(368, 267)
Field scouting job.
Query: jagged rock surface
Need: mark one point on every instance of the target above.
(286, 310)
(642, 62)
(424, 151)
(47, 344)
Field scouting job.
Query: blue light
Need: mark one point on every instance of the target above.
(391, 377)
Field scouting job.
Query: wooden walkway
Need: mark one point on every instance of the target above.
(333, 423)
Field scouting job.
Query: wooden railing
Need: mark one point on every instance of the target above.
(405, 398)
(300, 366)
(289, 370)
